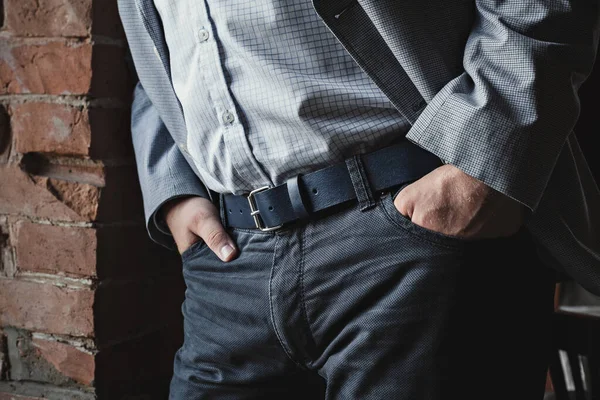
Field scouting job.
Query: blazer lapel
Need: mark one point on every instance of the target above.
(349, 22)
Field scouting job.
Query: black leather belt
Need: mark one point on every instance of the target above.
(268, 208)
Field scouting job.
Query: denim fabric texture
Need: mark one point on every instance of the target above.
(355, 304)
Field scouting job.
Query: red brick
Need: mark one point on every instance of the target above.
(70, 130)
(64, 67)
(118, 251)
(68, 360)
(52, 68)
(48, 17)
(55, 249)
(52, 128)
(35, 359)
(72, 18)
(113, 251)
(37, 193)
(46, 308)
(79, 197)
(43, 197)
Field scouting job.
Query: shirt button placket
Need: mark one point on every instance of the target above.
(233, 135)
(203, 35)
(228, 117)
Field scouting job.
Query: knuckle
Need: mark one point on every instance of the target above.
(200, 216)
(420, 221)
(215, 237)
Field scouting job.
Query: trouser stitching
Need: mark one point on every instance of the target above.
(272, 310)
(310, 337)
(361, 185)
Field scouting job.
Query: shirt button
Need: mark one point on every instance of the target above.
(203, 35)
(228, 117)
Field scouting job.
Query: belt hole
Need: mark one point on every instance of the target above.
(230, 211)
(241, 211)
(270, 208)
(315, 191)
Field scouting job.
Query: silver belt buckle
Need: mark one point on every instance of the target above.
(255, 212)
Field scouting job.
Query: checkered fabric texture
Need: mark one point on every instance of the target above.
(295, 99)
(499, 79)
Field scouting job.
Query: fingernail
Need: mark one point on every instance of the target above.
(226, 251)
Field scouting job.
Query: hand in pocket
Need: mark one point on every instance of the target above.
(451, 202)
(194, 218)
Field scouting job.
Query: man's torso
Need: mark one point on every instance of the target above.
(268, 92)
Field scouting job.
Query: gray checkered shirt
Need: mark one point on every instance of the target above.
(268, 92)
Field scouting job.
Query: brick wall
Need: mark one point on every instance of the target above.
(89, 307)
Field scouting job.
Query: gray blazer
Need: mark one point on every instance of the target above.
(489, 86)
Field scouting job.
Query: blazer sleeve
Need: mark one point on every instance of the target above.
(505, 119)
(163, 172)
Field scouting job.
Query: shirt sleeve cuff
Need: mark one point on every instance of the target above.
(157, 225)
(160, 222)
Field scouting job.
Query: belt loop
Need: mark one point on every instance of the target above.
(222, 209)
(363, 190)
(295, 195)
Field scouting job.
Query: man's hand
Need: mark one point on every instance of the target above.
(195, 218)
(451, 202)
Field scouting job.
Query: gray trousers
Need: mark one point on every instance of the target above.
(363, 304)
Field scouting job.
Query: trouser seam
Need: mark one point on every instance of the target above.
(272, 310)
(310, 336)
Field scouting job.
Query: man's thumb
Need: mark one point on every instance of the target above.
(214, 235)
